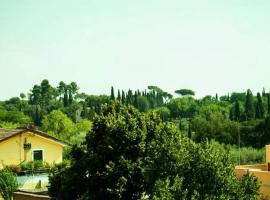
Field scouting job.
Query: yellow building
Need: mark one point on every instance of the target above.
(24, 145)
(261, 171)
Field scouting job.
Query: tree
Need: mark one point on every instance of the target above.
(259, 107)
(185, 92)
(22, 95)
(113, 158)
(268, 103)
(237, 112)
(8, 184)
(58, 125)
(142, 104)
(123, 98)
(112, 94)
(61, 88)
(65, 99)
(263, 92)
(35, 95)
(128, 155)
(72, 91)
(118, 95)
(164, 113)
(46, 92)
(249, 105)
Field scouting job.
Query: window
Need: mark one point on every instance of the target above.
(37, 155)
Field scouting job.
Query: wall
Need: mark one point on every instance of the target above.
(263, 176)
(28, 196)
(263, 167)
(12, 151)
(267, 157)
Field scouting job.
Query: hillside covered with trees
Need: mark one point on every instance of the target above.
(147, 144)
(65, 112)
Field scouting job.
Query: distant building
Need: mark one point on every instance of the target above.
(261, 171)
(24, 145)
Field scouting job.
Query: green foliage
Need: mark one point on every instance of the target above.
(249, 106)
(34, 165)
(8, 184)
(9, 125)
(259, 107)
(58, 125)
(248, 155)
(112, 94)
(142, 104)
(16, 117)
(215, 126)
(163, 112)
(129, 155)
(185, 92)
(249, 187)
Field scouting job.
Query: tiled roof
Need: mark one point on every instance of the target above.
(8, 132)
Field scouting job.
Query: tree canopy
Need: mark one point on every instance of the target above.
(131, 155)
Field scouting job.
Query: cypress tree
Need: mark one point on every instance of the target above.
(259, 107)
(118, 96)
(263, 92)
(249, 106)
(129, 97)
(231, 114)
(112, 94)
(65, 99)
(135, 103)
(37, 115)
(70, 97)
(237, 112)
(268, 103)
(123, 99)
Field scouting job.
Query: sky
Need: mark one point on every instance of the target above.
(209, 46)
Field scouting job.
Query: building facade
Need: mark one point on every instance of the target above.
(23, 145)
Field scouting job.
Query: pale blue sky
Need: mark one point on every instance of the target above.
(209, 46)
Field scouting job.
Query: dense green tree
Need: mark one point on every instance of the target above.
(259, 114)
(58, 125)
(123, 97)
(185, 92)
(22, 95)
(249, 105)
(164, 113)
(142, 104)
(268, 103)
(46, 92)
(14, 116)
(129, 155)
(237, 112)
(216, 126)
(118, 95)
(263, 92)
(61, 88)
(35, 95)
(112, 93)
(114, 156)
(65, 99)
(238, 96)
(72, 91)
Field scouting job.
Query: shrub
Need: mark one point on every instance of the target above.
(8, 184)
